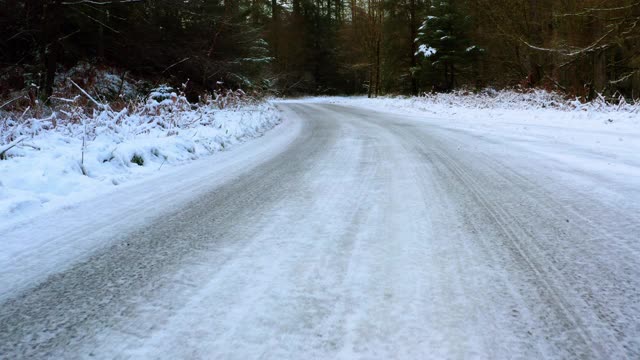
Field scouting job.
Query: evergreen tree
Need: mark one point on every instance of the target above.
(583, 48)
(444, 44)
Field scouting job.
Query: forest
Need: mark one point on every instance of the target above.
(581, 48)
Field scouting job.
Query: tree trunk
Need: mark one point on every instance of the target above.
(353, 13)
(599, 71)
(275, 30)
(378, 64)
(296, 7)
(413, 33)
(453, 77)
(51, 47)
(599, 62)
(536, 38)
(369, 92)
(445, 84)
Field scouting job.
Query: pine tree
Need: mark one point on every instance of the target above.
(444, 44)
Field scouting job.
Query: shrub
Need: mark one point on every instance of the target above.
(137, 159)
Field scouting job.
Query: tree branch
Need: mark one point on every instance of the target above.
(94, 2)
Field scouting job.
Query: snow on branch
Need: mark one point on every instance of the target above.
(175, 64)
(3, 151)
(593, 47)
(98, 104)
(9, 102)
(94, 2)
(589, 11)
(624, 78)
(97, 21)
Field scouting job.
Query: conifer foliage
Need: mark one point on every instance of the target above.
(445, 45)
(582, 48)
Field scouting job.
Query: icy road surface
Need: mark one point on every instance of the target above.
(343, 234)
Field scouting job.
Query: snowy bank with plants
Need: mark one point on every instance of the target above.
(77, 151)
(612, 123)
(492, 106)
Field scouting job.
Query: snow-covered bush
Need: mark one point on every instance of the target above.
(163, 109)
(517, 105)
(520, 100)
(104, 82)
(84, 144)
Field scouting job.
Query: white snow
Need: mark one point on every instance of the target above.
(387, 239)
(427, 51)
(541, 113)
(599, 138)
(41, 238)
(49, 169)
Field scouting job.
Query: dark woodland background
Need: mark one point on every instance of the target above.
(579, 47)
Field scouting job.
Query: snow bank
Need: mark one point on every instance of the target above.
(490, 100)
(70, 156)
(515, 113)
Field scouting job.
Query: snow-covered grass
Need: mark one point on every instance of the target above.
(503, 104)
(73, 153)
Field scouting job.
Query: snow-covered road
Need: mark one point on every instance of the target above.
(343, 234)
